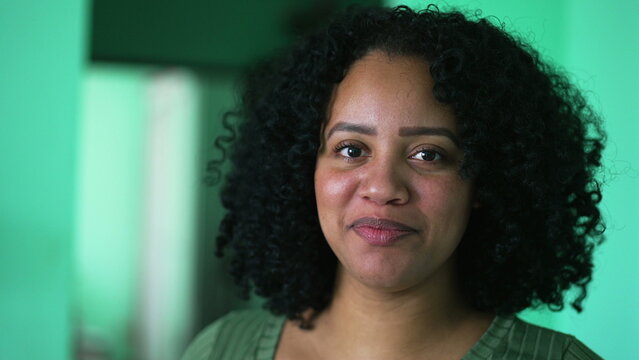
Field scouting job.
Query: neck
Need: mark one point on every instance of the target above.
(428, 318)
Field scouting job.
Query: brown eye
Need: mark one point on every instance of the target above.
(350, 151)
(427, 155)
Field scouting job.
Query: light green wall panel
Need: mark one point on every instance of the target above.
(42, 47)
(110, 207)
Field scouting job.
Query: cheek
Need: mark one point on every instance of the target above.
(333, 191)
(446, 198)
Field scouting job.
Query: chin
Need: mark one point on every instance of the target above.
(385, 275)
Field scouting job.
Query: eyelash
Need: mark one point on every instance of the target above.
(344, 145)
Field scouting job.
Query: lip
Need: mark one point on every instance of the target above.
(380, 232)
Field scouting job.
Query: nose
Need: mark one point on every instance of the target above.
(384, 183)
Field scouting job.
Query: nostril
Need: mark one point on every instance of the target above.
(385, 193)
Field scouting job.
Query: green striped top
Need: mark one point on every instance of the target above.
(254, 334)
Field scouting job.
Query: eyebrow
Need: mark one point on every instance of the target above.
(422, 130)
(404, 131)
(343, 126)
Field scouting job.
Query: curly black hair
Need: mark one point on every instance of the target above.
(530, 141)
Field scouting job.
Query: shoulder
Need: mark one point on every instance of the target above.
(539, 342)
(245, 334)
(510, 337)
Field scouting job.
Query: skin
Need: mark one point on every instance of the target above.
(390, 151)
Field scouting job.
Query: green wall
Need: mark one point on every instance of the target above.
(596, 43)
(603, 55)
(42, 47)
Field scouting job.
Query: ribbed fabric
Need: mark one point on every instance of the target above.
(240, 335)
(254, 334)
(511, 338)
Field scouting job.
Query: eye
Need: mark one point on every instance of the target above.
(350, 151)
(427, 155)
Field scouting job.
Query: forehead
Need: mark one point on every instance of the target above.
(384, 90)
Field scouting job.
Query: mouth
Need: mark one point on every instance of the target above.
(381, 232)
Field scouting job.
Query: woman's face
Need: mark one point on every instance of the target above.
(391, 203)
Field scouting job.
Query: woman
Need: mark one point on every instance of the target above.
(402, 184)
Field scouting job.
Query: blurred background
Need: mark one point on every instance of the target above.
(108, 111)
